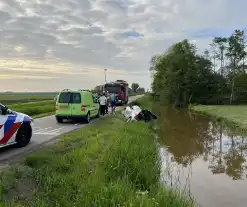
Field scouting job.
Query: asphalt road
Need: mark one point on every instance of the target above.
(44, 131)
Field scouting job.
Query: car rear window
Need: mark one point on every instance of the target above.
(76, 98)
(69, 97)
(64, 97)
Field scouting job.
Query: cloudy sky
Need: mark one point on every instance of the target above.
(48, 45)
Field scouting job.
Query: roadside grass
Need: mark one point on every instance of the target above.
(231, 115)
(35, 109)
(144, 102)
(108, 163)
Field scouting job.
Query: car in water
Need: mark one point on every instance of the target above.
(15, 128)
(78, 105)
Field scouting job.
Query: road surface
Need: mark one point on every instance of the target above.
(44, 131)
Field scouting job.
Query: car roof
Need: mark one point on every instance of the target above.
(76, 90)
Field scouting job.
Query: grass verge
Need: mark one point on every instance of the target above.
(35, 109)
(108, 163)
(232, 115)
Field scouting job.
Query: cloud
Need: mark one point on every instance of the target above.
(68, 43)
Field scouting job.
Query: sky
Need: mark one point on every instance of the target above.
(49, 45)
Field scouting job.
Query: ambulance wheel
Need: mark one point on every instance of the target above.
(24, 135)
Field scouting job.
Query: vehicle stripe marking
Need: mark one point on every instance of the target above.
(9, 122)
(14, 127)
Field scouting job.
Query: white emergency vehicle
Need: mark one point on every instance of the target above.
(15, 128)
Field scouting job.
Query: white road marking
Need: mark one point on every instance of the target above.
(48, 131)
(44, 129)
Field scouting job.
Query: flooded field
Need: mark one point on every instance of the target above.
(204, 159)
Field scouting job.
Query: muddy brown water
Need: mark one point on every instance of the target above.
(203, 158)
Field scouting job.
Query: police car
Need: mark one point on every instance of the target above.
(15, 128)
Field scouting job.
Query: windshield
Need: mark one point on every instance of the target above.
(69, 97)
(112, 89)
(9, 111)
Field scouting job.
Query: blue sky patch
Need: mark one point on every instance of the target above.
(212, 32)
(133, 34)
(209, 32)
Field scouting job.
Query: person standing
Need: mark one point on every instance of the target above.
(113, 102)
(107, 102)
(102, 102)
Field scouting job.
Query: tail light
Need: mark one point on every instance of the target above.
(83, 108)
(56, 107)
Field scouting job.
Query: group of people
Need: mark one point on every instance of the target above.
(105, 100)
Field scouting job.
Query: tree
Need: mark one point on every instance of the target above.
(180, 76)
(141, 90)
(235, 53)
(134, 87)
(220, 44)
(214, 51)
(206, 54)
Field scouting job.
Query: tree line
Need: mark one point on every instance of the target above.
(181, 76)
(135, 87)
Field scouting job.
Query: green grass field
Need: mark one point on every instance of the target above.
(234, 115)
(35, 109)
(109, 163)
(12, 98)
(33, 104)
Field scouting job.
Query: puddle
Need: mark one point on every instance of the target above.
(203, 158)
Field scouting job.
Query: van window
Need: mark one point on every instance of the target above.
(76, 98)
(64, 97)
(69, 97)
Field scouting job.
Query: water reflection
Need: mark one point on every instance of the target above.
(189, 137)
(193, 146)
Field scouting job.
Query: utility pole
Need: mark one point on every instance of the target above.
(105, 74)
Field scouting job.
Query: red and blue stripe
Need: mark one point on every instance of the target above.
(10, 128)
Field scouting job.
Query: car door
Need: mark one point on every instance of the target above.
(7, 127)
(64, 104)
(95, 105)
(76, 104)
